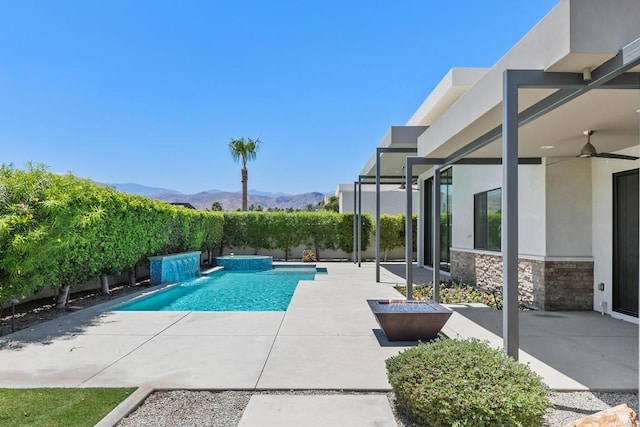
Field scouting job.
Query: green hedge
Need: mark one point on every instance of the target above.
(466, 383)
(60, 230)
(345, 232)
(392, 232)
(317, 230)
(287, 230)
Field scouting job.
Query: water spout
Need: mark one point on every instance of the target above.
(175, 267)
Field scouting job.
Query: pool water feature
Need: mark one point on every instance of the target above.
(175, 267)
(269, 290)
(245, 262)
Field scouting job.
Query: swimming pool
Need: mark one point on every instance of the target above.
(269, 290)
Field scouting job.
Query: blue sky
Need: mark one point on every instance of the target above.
(152, 91)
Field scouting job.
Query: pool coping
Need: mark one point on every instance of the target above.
(211, 270)
(155, 289)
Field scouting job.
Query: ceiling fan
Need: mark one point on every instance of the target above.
(590, 151)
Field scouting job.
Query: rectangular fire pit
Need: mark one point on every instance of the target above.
(409, 320)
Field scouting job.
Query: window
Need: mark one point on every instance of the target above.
(487, 220)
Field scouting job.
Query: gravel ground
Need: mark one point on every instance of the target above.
(190, 408)
(224, 408)
(572, 406)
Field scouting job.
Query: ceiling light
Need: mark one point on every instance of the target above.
(547, 147)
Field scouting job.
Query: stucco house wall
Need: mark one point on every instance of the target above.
(602, 214)
(392, 202)
(556, 262)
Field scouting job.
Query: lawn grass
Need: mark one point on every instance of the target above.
(58, 406)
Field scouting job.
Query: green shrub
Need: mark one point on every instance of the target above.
(391, 232)
(414, 231)
(286, 230)
(320, 230)
(455, 293)
(466, 383)
(60, 230)
(345, 232)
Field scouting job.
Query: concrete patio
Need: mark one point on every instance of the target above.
(571, 350)
(326, 340)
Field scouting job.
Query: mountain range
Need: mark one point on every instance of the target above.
(230, 201)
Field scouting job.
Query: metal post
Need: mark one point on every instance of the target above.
(436, 233)
(355, 228)
(359, 222)
(510, 214)
(408, 237)
(408, 230)
(377, 215)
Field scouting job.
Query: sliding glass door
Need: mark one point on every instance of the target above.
(446, 196)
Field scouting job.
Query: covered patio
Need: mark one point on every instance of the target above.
(535, 107)
(572, 350)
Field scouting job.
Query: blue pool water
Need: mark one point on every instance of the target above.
(269, 290)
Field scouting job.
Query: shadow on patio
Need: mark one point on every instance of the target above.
(572, 350)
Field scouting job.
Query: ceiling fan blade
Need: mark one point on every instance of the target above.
(616, 156)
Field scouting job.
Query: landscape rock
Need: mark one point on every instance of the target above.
(618, 416)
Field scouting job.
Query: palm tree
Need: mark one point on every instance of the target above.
(245, 150)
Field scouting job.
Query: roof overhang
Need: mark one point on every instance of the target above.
(398, 143)
(454, 84)
(575, 37)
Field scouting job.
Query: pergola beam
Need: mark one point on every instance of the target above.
(569, 90)
(613, 74)
(389, 180)
(513, 80)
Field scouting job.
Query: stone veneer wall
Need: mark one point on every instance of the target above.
(548, 285)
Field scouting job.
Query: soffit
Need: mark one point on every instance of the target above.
(397, 137)
(611, 113)
(573, 36)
